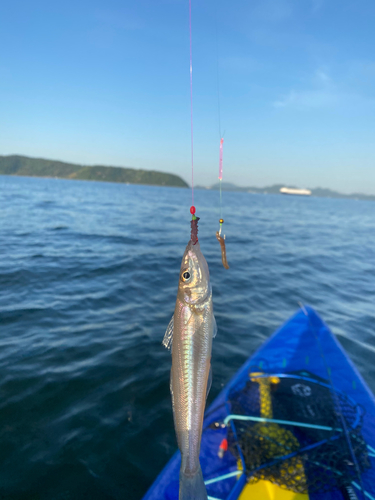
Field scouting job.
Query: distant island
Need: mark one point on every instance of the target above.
(275, 189)
(38, 167)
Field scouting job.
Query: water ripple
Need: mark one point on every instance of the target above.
(88, 279)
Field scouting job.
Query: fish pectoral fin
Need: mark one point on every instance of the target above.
(214, 326)
(168, 336)
(209, 381)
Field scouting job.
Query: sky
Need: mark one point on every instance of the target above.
(290, 84)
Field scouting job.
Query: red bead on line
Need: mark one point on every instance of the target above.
(192, 210)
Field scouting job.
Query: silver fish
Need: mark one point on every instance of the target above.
(189, 335)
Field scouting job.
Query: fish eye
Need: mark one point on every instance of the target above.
(185, 276)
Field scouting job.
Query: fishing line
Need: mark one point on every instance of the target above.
(194, 219)
(191, 107)
(219, 238)
(220, 180)
(217, 75)
(221, 138)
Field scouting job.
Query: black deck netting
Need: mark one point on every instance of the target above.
(297, 458)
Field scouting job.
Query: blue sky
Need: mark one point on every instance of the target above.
(108, 83)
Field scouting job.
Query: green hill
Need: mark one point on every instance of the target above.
(275, 189)
(38, 167)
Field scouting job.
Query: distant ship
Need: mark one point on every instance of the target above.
(300, 192)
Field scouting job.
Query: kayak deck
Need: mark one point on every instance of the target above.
(297, 416)
(267, 490)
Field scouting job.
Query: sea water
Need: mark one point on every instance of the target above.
(88, 282)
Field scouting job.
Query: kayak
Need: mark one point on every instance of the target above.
(296, 422)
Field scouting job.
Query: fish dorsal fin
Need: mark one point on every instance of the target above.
(209, 381)
(214, 326)
(168, 336)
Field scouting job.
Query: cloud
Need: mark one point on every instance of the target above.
(308, 99)
(274, 11)
(317, 5)
(323, 93)
(278, 11)
(118, 19)
(110, 25)
(241, 64)
(322, 77)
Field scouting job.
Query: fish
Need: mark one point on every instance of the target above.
(189, 336)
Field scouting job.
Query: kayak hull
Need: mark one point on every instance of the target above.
(303, 343)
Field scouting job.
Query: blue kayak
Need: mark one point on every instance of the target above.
(296, 422)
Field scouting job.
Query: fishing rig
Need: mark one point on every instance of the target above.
(194, 225)
(194, 218)
(220, 239)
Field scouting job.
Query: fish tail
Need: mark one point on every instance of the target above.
(192, 487)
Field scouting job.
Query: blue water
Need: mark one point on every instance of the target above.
(88, 280)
